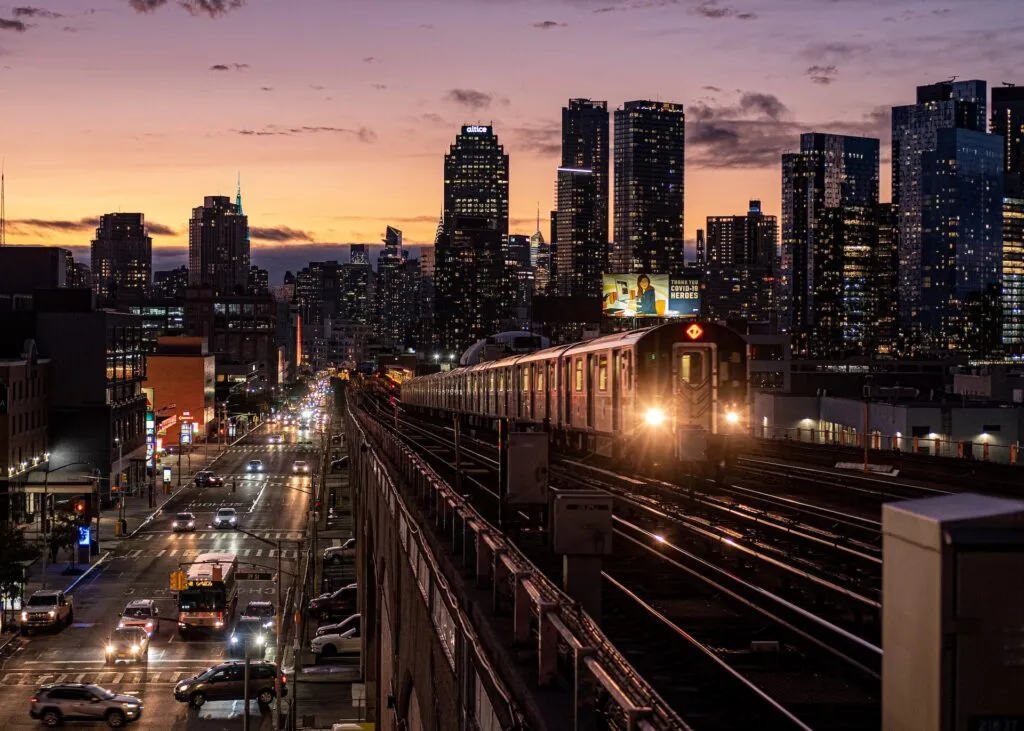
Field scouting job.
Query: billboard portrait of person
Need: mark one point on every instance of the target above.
(645, 304)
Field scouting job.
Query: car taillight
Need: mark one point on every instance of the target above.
(149, 626)
(181, 616)
(33, 699)
(284, 678)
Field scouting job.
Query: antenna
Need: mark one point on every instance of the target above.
(538, 215)
(3, 204)
(1008, 83)
(952, 79)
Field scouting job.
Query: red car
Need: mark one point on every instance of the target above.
(344, 601)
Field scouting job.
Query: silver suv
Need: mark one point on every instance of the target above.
(57, 702)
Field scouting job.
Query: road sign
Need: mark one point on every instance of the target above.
(179, 581)
(254, 576)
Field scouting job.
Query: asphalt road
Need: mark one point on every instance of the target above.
(272, 505)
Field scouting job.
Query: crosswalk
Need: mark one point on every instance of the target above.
(216, 536)
(188, 553)
(103, 678)
(264, 448)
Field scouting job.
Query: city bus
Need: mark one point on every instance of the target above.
(207, 604)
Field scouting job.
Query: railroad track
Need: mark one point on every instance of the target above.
(712, 683)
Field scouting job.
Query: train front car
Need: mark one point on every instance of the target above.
(692, 401)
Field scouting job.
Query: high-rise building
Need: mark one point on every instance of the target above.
(473, 293)
(884, 332)
(218, 246)
(427, 267)
(122, 257)
(1008, 122)
(649, 155)
(582, 192)
(397, 301)
(259, 280)
(821, 275)
(171, 283)
(522, 275)
(79, 274)
(738, 265)
(946, 105)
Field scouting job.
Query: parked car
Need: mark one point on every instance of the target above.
(226, 682)
(183, 523)
(45, 609)
(339, 464)
(127, 644)
(338, 627)
(344, 601)
(339, 554)
(56, 702)
(142, 613)
(345, 642)
(300, 466)
(255, 465)
(225, 518)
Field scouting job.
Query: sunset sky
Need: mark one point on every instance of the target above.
(338, 113)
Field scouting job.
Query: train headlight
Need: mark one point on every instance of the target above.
(732, 417)
(654, 416)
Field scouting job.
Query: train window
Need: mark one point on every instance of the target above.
(526, 379)
(540, 377)
(691, 368)
(602, 373)
(579, 374)
(551, 373)
(501, 380)
(627, 361)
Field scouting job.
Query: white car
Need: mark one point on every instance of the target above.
(141, 613)
(225, 518)
(337, 628)
(300, 466)
(346, 642)
(339, 554)
(255, 465)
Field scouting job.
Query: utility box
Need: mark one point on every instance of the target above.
(953, 614)
(527, 468)
(582, 524)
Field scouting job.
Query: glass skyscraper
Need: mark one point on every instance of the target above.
(1008, 122)
(473, 293)
(915, 127)
(582, 191)
(122, 257)
(649, 164)
(829, 195)
(737, 263)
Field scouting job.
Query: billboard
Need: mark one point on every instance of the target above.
(649, 295)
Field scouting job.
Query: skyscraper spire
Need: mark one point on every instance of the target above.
(238, 195)
(3, 205)
(538, 216)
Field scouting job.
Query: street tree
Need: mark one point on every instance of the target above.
(15, 552)
(63, 534)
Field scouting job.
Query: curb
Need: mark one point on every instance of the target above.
(160, 508)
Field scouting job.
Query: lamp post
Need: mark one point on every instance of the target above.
(120, 470)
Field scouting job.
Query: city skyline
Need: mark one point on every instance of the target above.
(335, 156)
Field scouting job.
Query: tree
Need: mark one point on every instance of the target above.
(63, 534)
(15, 552)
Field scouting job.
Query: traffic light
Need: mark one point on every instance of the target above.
(179, 581)
(80, 508)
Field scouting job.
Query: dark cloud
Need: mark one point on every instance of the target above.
(209, 8)
(755, 132)
(711, 88)
(40, 225)
(363, 134)
(548, 24)
(316, 87)
(279, 234)
(229, 67)
(544, 138)
(15, 25)
(266, 88)
(470, 98)
(836, 51)
(427, 218)
(370, 59)
(31, 12)
(823, 75)
(711, 9)
(379, 87)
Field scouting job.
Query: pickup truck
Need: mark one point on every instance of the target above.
(45, 609)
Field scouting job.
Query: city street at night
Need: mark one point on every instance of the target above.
(271, 504)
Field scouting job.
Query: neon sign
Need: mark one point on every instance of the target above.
(477, 130)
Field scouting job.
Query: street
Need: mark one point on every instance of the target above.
(271, 505)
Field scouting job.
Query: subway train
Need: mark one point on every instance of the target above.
(659, 396)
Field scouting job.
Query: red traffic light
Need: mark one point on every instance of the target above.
(80, 506)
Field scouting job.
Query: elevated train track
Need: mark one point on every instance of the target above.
(724, 639)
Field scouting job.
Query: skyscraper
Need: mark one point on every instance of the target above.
(473, 292)
(396, 298)
(218, 246)
(829, 196)
(739, 260)
(259, 280)
(1008, 122)
(649, 150)
(582, 191)
(122, 257)
(170, 283)
(522, 275)
(946, 105)
(884, 332)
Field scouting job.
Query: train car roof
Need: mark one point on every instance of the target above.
(615, 340)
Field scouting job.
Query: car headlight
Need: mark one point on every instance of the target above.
(174, 524)
(260, 640)
(110, 648)
(52, 614)
(120, 625)
(191, 524)
(732, 417)
(135, 649)
(654, 416)
(24, 616)
(232, 520)
(234, 640)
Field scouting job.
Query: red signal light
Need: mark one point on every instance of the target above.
(694, 332)
(80, 506)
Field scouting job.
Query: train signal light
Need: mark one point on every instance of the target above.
(694, 332)
(80, 507)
